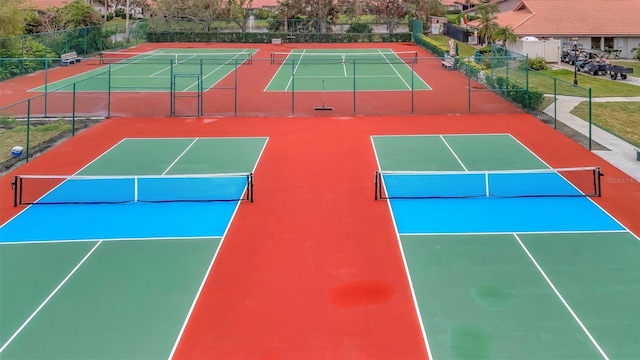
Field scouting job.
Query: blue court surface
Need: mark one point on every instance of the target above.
(108, 200)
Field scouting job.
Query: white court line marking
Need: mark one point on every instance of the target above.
(406, 266)
(590, 199)
(522, 232)
(294, 70)
(454, 153)
(180, 156)
(111, 239)
(26, 322)
(215, 255)
(566, 305)
(226, 64)
(394, 69)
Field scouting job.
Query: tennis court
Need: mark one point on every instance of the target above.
(508, 259)
(165, 69)
(113, 257)
(345, 70)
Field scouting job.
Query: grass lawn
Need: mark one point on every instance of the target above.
(601, 86)
(463, 49)
(620, 118)
(13, 132)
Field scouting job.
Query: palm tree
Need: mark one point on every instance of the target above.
(487, 17)
(504, 34)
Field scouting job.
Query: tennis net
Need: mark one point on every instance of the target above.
(218, 58)
(52, 189)
(400, 57)
(562, 182)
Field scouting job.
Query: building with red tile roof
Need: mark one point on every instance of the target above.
(597, 24)
(43, 4)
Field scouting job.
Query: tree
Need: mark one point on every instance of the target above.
(79, 14)
(389, 11)
(203, 12)
(487, 14)
(237, 11)
(352, 9)
(504, 34)
(12, 18)
(421, 9)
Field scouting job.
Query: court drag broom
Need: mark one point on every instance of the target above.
(323, 107)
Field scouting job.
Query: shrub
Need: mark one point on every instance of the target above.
(359, 28)
(538, 64)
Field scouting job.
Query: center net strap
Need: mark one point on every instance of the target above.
(47, 189)
(570, 182)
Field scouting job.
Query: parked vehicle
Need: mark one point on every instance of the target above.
(614, 70)
(591, 62)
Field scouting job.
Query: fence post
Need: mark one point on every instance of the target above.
(84, 30)
(469, 84)
(412, 86)
(526, 72)
(73, 111)
(28, 126)
(235, 89)
(22, 59)
(46, 84)
(293, 77)
(200, 87)
(109, 91)
(354, 87)
(590, 120)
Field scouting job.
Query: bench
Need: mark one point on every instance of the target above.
(449, 62)
(69, 58)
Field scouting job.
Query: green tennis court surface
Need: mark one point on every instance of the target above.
(345, 70)
(159, 70)
(510, 277)
(99, 281)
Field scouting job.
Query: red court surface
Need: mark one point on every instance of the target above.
(312, 268)
(242, 93)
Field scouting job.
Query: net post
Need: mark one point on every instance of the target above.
(597, 181)
(250, 187)
(376, 182)
(14, 186)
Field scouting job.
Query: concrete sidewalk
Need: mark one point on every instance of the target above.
(621, 154)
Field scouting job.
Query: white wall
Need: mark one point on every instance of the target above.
(550, 50)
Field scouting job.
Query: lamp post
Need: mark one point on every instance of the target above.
(575, 62)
